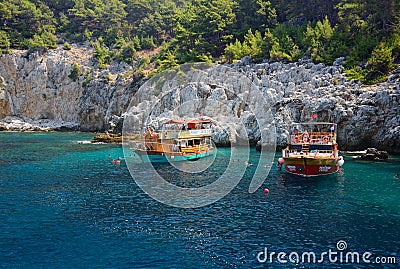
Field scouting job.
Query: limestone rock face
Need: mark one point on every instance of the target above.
(39, 86)
(39, 89)
(366, 116)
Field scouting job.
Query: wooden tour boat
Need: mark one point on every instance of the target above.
(177, 140)
(312, 150)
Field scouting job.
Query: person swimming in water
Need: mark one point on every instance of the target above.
(279, 165)
(247, 163)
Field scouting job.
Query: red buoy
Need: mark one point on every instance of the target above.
(266, 190)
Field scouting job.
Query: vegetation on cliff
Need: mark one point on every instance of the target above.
(367, 33)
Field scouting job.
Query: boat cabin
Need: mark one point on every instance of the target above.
(179, 136)
(313, 137)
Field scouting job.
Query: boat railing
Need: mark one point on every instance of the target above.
(193, 149)
(322, 138)
(312, 153)
(169, 148)
(182, 134)
(154, 145)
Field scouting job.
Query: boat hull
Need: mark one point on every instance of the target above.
(157, 157)
(309, 167)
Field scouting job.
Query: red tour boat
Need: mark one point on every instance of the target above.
(312, 150)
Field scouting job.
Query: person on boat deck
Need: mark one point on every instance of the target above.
(175, 148)
(296, 134)
(306, 136)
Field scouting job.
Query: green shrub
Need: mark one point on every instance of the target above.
(255, 45)
(143, 63)
(67, 46)
(102, 53)
(380, 63)
(205, 58)
(361, 51)
(107, 77)
(75, 72)
(4, 42)
(87, 34)
(169, 60)
(236, 51)
(128, 53)
(136, 42)
(317, 39)
(394, 42)
(86, 81)
(147, 42)
(356, 73)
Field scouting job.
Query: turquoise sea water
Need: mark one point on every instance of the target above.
(65, 205)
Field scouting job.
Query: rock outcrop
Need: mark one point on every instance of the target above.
(38, 89)
(372, 154)
(108, 138)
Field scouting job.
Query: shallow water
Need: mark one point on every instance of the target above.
(65, 205)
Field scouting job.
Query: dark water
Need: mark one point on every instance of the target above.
(65, 205)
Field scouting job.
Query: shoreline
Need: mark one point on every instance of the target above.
(98, 136)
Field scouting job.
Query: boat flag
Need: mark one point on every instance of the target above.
(314, 116)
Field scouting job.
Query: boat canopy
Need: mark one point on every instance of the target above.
(187, 124)
(313, 122)
(313, 127)
(186, 121)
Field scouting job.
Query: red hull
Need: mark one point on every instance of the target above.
(302, 168)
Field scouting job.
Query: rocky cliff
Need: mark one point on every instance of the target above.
(40, 91)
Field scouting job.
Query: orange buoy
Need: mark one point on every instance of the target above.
(113, 161)
(266, 190)
(118, 162)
